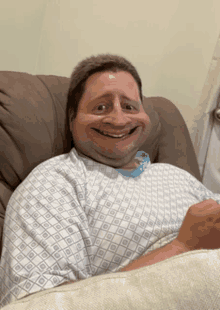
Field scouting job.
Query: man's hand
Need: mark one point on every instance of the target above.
(201, 226)
(200, 230)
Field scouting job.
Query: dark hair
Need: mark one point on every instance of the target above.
(86, 68)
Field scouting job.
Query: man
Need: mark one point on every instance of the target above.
(102, 207)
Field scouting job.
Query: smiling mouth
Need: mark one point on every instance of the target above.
(115, 136)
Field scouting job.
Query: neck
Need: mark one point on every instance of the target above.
(132, 165)
(135, 163)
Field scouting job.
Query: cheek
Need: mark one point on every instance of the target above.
(145, 121)
(81, 128)
(146, 128)
(78, 131)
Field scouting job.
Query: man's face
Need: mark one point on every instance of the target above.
(111, 123)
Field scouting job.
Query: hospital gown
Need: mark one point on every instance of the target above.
(73, 218)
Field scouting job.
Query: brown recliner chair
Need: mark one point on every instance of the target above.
(32, 130)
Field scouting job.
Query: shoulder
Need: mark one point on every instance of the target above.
(64, 160)
(163, 176)
(171, 170)
(56, 167)
(55, 174)
(52, 165)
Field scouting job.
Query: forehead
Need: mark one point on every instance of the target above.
(109, 76)
(116, 82)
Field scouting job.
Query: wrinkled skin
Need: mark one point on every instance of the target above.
(201, 226)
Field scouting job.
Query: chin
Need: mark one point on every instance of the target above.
(116, 161)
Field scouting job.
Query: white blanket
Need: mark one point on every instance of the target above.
(189, 281)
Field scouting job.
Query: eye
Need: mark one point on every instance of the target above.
(101, 107)
(130, 108)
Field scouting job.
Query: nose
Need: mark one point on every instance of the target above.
(117, 116)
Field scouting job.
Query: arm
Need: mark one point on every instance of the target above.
(171, 249)
(200, 230)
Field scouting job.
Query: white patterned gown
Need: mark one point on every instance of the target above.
(73, 218)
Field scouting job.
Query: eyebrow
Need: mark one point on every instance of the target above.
(109, 95)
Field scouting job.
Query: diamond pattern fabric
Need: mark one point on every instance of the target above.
(73, 218)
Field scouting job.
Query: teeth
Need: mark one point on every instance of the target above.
(115, 136)
(111, 135)
(105, 133)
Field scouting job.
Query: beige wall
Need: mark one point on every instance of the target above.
(170, 42)
(20, 31)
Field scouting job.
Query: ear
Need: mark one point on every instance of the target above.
(71, 126)
(71, 120)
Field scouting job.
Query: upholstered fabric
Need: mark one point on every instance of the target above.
(189, 281)
(32, 129)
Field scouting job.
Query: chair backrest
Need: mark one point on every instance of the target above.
(32, 129)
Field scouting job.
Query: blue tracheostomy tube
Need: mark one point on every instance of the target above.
(144, 157)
